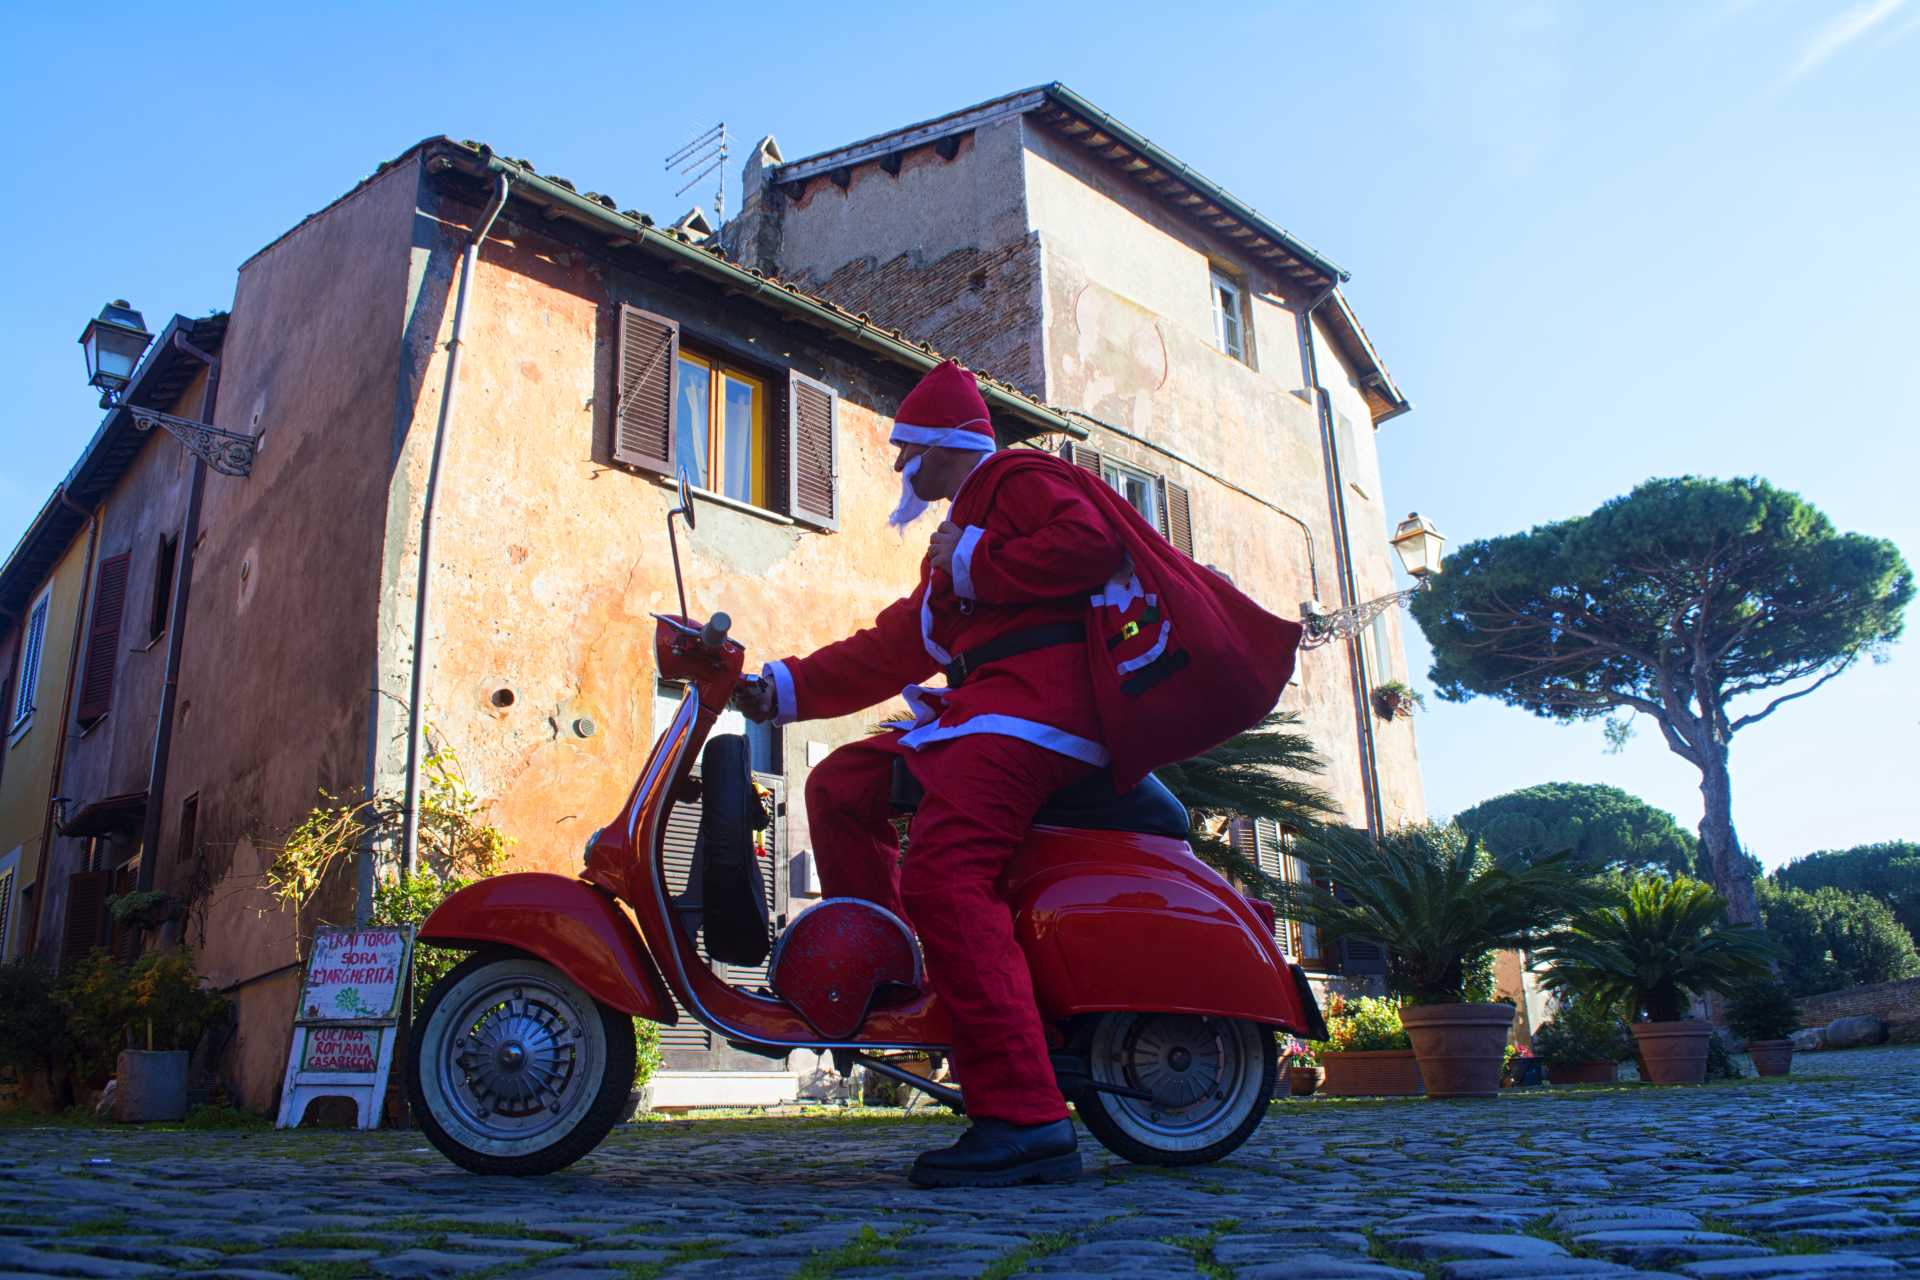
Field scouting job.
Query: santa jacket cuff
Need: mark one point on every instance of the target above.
(785, 710)
(963, 554)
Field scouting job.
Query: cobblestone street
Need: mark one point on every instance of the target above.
(1819, 1176)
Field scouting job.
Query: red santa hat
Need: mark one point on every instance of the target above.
(946, 410)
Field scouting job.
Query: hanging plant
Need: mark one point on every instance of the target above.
(145, 909)
(1394, 699)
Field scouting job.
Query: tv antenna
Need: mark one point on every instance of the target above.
(704, 156)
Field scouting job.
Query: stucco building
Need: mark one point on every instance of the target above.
(1120, 309)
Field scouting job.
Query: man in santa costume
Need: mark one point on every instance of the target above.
(1003, 608)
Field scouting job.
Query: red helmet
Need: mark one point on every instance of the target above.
(836, 956)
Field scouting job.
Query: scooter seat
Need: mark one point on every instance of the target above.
(1089, 804)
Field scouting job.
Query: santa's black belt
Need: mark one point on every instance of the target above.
(1011, 645)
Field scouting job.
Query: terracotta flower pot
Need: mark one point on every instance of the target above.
(1771, 1057)
(1461, 1047)
(1580, 1072)
(1674, 1052)
(1376, 1073)
(1305, 1080)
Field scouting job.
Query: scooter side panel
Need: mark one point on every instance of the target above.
(1115, 922)
(576, 928)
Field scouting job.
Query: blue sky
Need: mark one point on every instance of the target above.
(1594, 242)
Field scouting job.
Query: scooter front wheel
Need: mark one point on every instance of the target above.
(1209, 1082)
(515, 1069)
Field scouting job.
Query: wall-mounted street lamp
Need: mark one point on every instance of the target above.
(114, 341)
(1419, 545)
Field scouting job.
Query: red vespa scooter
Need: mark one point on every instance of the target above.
(1160, 985)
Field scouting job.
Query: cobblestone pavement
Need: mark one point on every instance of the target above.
(1817, 1176)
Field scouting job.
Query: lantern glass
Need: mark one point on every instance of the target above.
(113, 342)
(1419, 545)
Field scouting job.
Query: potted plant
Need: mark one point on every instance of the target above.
(1764, 1014)
(1366, 1052)
(1395, 699)
(145, 909)
(1650, 948)
(1438, 904)
(156, 1002)
(1304, 1072)
(1582, 1043)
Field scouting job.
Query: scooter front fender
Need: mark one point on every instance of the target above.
(575, 927)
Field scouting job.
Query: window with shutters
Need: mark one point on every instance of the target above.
(9, 879)
(163, 564)
(86, 923)
(1166, 505)
(27, 680)
(103, 639)
(753, 435)
(189, 827)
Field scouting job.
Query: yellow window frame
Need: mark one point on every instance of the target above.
(717, 375)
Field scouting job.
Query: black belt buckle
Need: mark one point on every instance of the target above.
(957, 671)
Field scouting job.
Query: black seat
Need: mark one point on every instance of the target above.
(1090, 804)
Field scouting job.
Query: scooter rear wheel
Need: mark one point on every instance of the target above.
(1211, 1080)
(514, 1069)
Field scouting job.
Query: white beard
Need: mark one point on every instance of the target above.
(912, 505)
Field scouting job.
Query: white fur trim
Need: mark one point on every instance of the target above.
(1159, 647)
(1119, 593)
(934, 651)
(785, 708)
(954, 437)
(1041, 735)
(963, 561)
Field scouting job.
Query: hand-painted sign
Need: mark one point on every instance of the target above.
(353, 975)
(347, 1021)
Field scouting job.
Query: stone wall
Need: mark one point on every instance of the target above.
(1895, 1003)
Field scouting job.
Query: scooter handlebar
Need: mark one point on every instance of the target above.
(714, 634)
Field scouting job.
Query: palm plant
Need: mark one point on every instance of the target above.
(1652, 945)
(1434, 899)
(1262, 773)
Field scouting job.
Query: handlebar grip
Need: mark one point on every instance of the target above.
(714, 634)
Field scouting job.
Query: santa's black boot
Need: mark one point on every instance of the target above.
(994, 1153)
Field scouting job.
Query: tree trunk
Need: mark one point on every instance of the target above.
(1727, 867)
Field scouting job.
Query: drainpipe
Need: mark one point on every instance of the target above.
(43, 874)
(176, 632)
(410, 835)
(1343, 563)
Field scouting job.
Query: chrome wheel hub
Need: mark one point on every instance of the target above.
(1177, 1060)
(517, 1057)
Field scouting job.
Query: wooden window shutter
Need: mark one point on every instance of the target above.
(1176, 515)
(1271, 861)
(1081, 455)
(6, 907)
(103, 639)
(643, 407)
(86, 916)
(813, 452)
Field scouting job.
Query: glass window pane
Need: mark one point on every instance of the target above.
(693, 421)
(737, 455)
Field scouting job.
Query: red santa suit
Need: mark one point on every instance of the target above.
(989, 751)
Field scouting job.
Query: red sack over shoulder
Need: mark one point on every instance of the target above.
(1181, 659)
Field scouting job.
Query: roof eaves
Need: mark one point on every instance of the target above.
(913, 135)
(709, 261)
(38, 549)
(1366, 357)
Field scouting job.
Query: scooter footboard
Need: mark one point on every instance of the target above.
(573, 926)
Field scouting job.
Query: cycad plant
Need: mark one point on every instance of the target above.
(1434, 899)
(1653, 943)
(1262, 773)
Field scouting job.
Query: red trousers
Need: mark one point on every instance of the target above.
(982, 792)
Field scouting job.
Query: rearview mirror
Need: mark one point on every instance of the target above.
(686, 500)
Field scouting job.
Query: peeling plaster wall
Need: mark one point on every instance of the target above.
(550, 560)
(274, 683)
(115, 756)
(1129, 339)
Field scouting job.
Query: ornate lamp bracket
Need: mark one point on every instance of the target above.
(1327, 625)
(228, 452)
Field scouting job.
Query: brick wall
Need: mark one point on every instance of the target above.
(978, 305)
(1894, 1003)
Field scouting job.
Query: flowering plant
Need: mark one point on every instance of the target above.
(1298, 1051)
(1363, 1025)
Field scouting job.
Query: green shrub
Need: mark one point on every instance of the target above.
(1829, 939)
(1368, 1024)
(156, 1002)
(1762, 1010)
(33, 1031)
(646, 1051)
(1720, 1063)
(1582, 1031)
